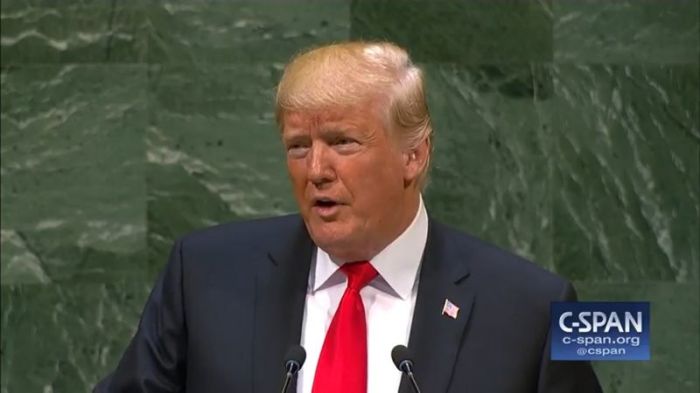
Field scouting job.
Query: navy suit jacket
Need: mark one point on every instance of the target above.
(230, 302)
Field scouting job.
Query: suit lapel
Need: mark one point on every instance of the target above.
(281, 284)
(435, 338)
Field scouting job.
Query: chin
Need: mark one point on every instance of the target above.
(334, 238)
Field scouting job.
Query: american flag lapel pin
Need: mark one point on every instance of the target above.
(450, 309)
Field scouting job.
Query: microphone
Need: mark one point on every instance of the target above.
(292, 364)
(402, 361)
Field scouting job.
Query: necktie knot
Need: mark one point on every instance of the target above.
(359, 274)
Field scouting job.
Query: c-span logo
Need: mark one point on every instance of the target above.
(600, 331)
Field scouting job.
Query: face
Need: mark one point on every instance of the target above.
(351, 179)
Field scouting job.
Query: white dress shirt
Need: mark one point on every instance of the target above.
(389, 301)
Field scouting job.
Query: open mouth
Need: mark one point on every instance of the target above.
(325, 203)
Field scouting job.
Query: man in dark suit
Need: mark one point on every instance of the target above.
(361, 269)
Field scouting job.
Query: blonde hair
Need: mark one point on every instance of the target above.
(353, 73)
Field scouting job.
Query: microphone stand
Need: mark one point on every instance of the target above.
(408, 370)
(287, 381)
(292, 369)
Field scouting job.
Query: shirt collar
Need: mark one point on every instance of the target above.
(397, 264)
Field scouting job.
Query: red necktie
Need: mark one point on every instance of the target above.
(342, 365)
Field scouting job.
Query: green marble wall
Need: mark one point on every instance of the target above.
(566, 131)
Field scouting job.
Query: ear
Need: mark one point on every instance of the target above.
(415, 160)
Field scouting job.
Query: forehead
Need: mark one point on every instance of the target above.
(360, 117)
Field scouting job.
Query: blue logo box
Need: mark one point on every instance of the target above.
(599, 331)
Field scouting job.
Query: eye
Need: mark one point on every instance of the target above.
(344, 142)
(345, 145)
(297, 150)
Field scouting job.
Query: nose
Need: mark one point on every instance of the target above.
(319, 165)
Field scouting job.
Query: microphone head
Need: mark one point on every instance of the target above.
(295, 355)
(400, 356)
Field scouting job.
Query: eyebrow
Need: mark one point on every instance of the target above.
(330, 132)
(334, 132)
(295, 138)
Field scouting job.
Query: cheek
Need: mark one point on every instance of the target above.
(384, 175)
(374, 185)
(297, 179)
(296, 172)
